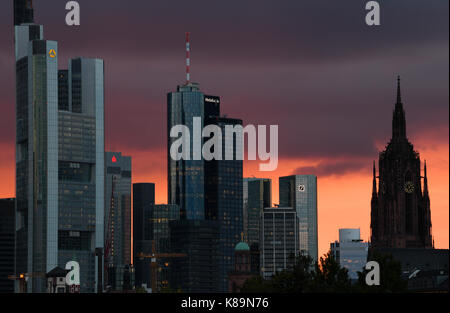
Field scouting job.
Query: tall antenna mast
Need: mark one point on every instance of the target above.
(188, 58)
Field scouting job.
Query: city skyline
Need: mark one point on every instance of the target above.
(342, 172)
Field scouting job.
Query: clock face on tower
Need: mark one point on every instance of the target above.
(409, 187)
(301, 188)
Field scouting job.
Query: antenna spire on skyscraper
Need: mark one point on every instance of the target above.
(188, 58)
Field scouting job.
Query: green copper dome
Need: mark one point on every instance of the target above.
(242, 246)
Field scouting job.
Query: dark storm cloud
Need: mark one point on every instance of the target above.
(312, 67)
(246, 31)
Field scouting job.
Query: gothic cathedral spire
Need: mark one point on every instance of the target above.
(400, 211)
(398, 120)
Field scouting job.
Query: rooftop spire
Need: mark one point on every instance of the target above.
(399, 120)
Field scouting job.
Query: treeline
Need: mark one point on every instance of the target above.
(327, 276)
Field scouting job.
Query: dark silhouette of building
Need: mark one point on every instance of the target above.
(143, 199)
(400, 216)
(7, 228)
(199, 270)
(425, 270)
(243, 269)
(255, 258)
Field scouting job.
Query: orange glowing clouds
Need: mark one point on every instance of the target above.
(343, 200)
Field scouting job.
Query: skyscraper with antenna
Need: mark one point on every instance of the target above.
(186, 177)
(208, 192)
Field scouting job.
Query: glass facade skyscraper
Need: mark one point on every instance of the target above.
(59, 158)
(81, 170)
(205, 190)
(257, 196)
(223, 194)
(300, 192)
(186, 185)
(117, 217)
(36, 154)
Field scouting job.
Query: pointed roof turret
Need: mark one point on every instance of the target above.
(374, 186)
(425, 180)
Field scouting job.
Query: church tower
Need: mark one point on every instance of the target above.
(400, 215)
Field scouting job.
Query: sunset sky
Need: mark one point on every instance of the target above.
(312, 67)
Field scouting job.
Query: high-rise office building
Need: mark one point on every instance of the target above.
(60, 155)
(143, 199)
(223, 194)
(186, 186)
(350, 251)
(117, 218)
(37, 155)
(81, 169)
(209, 192)
(257, 196)
(279, 240)
(300, 192)
(7, 229)
(199, 270)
